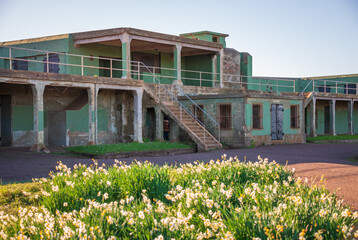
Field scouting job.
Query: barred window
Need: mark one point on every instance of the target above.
(257, 116)
(198, 113)
(225, 116)
(295, 117)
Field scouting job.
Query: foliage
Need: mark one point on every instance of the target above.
(224, 199)
(127, 147)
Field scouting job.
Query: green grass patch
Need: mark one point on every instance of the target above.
(128, 147)
(331, 137)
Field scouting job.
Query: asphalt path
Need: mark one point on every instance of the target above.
(18, 164)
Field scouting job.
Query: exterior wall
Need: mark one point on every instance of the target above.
(355, 118)
(263, 136)
(201, 63)
(329, 81)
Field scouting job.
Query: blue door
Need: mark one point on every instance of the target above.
(277, 122)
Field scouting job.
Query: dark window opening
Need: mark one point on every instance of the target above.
(225, 116)
(198, 113)
(53, 65)
(152, 61)
(295, 118)
(215, 39)
(20, 65)
(256, 116)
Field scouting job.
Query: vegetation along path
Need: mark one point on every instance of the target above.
(338, 163)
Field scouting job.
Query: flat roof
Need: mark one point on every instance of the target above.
(34, 40)
(331, 76)
(204, 32)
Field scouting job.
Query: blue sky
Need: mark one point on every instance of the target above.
(287, 38)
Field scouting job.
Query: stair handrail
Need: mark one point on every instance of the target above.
(306, 87)
(177, 100)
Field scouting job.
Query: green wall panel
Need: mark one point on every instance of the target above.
(102, 122)
(77, 120)
(22, 118)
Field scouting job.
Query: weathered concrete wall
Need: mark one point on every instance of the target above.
(263, 135)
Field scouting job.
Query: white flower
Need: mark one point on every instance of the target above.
(160, 237)
(141, 215)
(65, 204)
(105, 196)
(108, 183)
(55, 188)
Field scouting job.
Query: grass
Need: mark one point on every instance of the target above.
(128, 147)
(223, 199)
(331, 137)
(12, 196)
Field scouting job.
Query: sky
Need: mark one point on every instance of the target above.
(286, 38)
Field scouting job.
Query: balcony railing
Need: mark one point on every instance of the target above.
(58, 62)
(331, 86)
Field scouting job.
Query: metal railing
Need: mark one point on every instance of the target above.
(330, 86)
(84, 66)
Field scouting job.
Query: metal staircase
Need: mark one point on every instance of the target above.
(166, 97)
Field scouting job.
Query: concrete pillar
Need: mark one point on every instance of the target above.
(38, 102)
(350, 117)
(333, 115)
(92, 115)
(126, 55)
(214, 69)
(138, 115)
(220, 66)
(173, 131)
(313, 118)
(177, 64)
(159, 124)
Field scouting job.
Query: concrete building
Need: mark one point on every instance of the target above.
(118, 85)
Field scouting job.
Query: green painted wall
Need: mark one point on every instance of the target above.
(201, 63)
(342, 118)
(330, 82)
(266, 121)
(22, 118)
(77, 120)
(355, 118)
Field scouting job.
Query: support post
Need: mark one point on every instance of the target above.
(313, 118)
(333, 112)
(350, 116)
(214, 69)
(220, 66)
(138, 115)
(126, 55)
(159, 124)
(38, 102)
(92, 114)
(177, 63)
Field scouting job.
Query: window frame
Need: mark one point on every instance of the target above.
(260, 117)
(295, 117)
(223, 127)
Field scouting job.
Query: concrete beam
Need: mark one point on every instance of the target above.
(350, 117)
(92, 114)
(38, 103)
(313, 118)
(177, 64)
(159, 123)
(138, 115)
(126, 55)
(333, 115)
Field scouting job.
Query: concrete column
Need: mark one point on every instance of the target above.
(92, 115)
(220, 66)
(333, 115)
(173, 131)
(177, 64)
(158, 124)
(313, 118)
(138, 115)
(214, 69)
(38, 102)
(350, 117)
(126, 55)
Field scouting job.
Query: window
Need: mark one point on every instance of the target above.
(20, 65)
(256, 116)
(295, 117)
(152, 61)
(53, 65)
(215, 39)
(198, 113)
(225, 116)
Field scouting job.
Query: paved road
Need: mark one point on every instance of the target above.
(18, 164)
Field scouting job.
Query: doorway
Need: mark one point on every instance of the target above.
(56, 128)
(5, 112)
(277, 122)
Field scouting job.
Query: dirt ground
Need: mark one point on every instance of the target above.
(309, 160)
